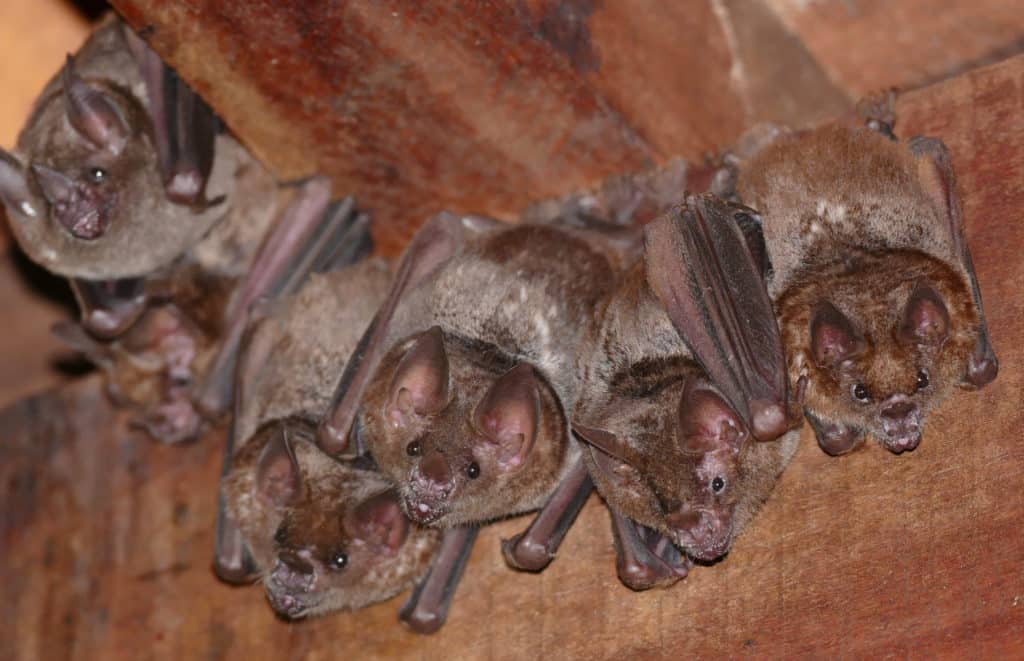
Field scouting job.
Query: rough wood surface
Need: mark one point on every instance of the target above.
(481, 106)
(107, 537)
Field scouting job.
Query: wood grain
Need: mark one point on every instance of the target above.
(107, 537)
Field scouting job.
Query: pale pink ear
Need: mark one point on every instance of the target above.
(380, 523)
(707, 422)
(509, 414)
(14, 185)
(93, 116)
(833, 337)
(925, 318)
(420, 383)
(278, 478)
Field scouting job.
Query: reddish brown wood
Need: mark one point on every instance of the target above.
(107, 537)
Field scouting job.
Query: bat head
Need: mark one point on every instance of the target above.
(878, 343)
(85, 196)
(463, 441)
(325, 536)
(673, 460)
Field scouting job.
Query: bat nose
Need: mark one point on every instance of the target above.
(898, 411)
(435, 468)
(295, 562)
(901, 421)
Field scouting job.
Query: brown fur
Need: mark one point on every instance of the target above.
(848, 220)
(319, 525)
(633, 376)
(516, 295)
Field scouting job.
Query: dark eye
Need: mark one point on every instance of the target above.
(413, 449)
(97, 175)
(280, 535)
(718, 484)
(473, 470)
(922, 380)
(338, 561)
(860, 391)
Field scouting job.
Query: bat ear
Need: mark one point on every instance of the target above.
(380, 523)
(91, 112)
(613, 456)
(278, 478)
(925, 318)
(509, 414)
(420, 383)
(14, 185)
(707, 422)
(57, 188)
(833, 337)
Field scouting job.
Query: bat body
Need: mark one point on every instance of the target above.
(120, 183)
(872, 279)
(466, 412)
(667, 448)
(323, 535)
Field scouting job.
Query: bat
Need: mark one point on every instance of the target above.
(873, 283)
(167, 230)
(684, 393)
(460, 387)
(323, 535)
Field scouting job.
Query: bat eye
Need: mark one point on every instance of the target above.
(338, 561)
(718, 484)
(473, 471)
(97, 175)
(860, 392)
(922, 380)
(280, 535)
(413, 449)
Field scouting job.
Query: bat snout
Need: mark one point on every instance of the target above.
(901, 423)
(704, 534)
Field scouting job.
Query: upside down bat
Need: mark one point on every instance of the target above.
(683, 373)
(167, 231)
(324, 535)
(879, 305)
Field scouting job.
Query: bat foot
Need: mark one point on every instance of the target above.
(526, 554)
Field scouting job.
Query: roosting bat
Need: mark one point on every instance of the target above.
(116, 183)
(684, 372)
(324, 535)
(873, 283)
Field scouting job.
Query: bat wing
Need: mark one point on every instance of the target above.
(184, 127)
(310, 235)
(711, 284)
(939, 180)
(436, 242)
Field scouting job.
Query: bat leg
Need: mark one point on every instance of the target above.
(427, 608)
(434, 243)
(307, 235)
(232, 562)
(108, 308)
(645, 559)
(535, 548)
(834, 438)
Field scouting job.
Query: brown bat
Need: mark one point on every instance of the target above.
(684, 372)
(323, 535)
(167, 231)
(872, 280)
(460, 389)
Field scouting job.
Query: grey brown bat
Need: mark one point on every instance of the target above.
(460, 389)
(167, 231)
(684, 391)
(323, 535)
(873, 282)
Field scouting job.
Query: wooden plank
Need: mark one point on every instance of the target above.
(870, 45)
(480, 106)
(107, 537)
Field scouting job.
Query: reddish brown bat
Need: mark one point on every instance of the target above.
(323, 535)
(683, 373)
(167, 230)
(876, 294)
